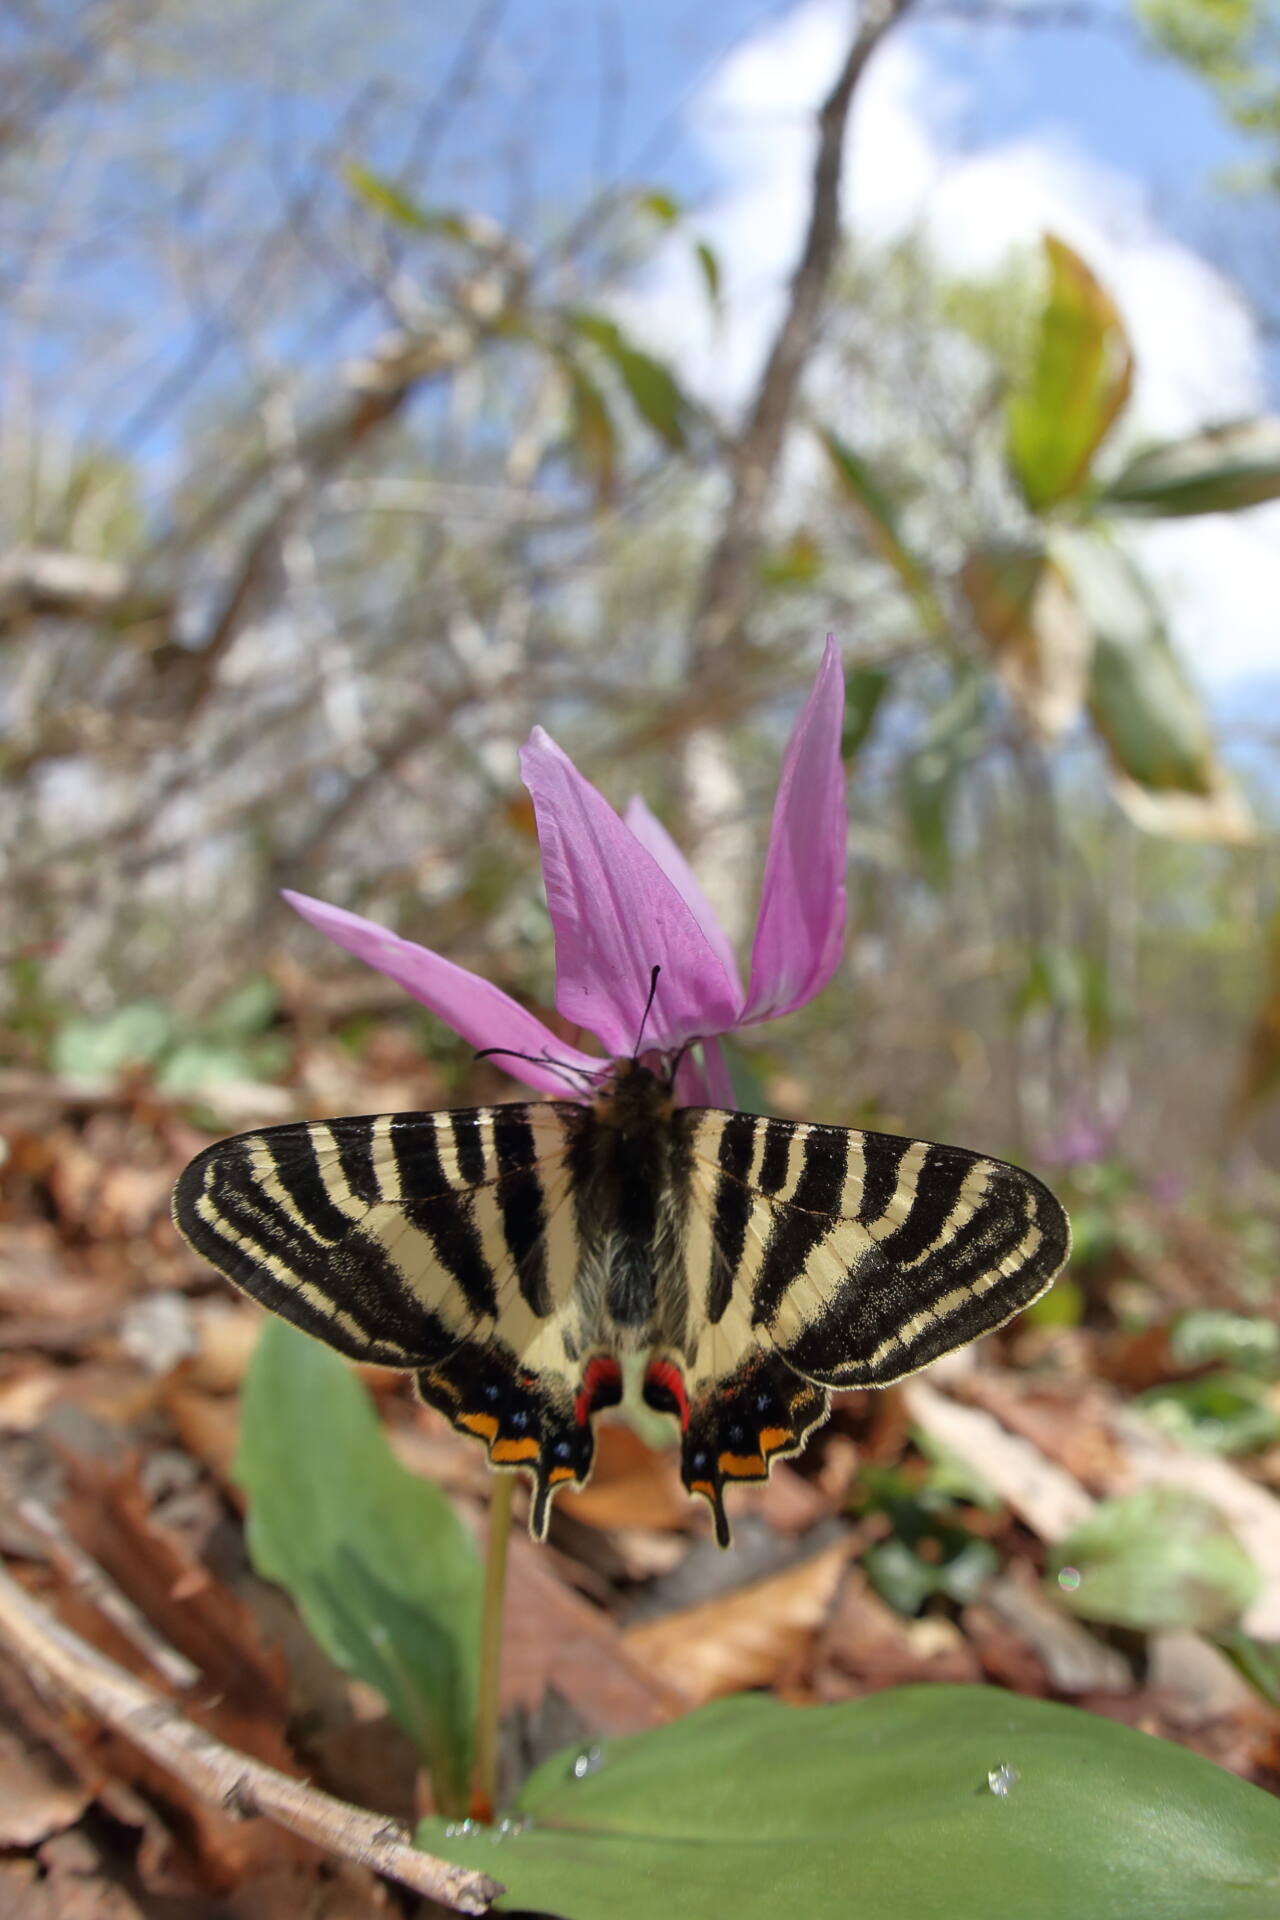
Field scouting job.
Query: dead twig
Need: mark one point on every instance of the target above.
(62, 1663)
(81, 1571)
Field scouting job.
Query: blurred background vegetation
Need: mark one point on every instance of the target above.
(352, 421)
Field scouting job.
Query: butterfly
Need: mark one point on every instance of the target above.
(515, 1258)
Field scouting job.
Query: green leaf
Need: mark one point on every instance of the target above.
(1257, 1660)
(1219, 471)
(1242, 1340)
(652, 389)
(1157, 1558)
(864, 692)
(797, 563)
(395, 205)
(662, 207)
(592, 434)
(1144, 706)
(927, 1803)
(132, 1036)
(1038, 636)
(709, 262)
(1079, 381)
(1222, 1413)
(246, 1012)
(383, 1571)
(877, 519)
(931, 774)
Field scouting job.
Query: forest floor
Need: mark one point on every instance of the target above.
(917, 1539)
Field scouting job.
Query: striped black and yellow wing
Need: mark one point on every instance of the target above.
(441, 1243)
(823, 1257)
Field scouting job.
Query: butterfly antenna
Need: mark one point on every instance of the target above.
(648, 1009)
(563, 1067)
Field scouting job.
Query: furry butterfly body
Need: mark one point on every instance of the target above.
(514, 1257)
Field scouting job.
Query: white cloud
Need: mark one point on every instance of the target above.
(1197, 351)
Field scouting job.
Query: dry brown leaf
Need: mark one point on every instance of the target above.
(747, 1638)
(631, 1485)
(556, 1639)
(107, 1512)
(39, 1795)
(866, 1646)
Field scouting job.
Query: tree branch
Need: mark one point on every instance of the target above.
(729, 580)
(61, 1662)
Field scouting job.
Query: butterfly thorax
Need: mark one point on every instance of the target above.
(631, 1176)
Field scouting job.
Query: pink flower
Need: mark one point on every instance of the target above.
(623, 900)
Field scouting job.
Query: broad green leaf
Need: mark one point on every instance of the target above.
(1079, 381)
(875, 515)
(1144, 706)
(246, 1012)
(932, 772)
(1219, 471)
(1040, 641)
(653, 391)
(395, 205)
(384, 1573)
(926, 1803)
(1157, 1558)
(864, 692)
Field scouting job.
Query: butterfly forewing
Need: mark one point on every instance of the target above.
(859, 1257)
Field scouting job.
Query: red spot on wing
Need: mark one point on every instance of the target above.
(601, 1387)
(668, 1379)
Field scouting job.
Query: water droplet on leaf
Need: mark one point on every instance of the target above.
(589, 1761)
(1002, 1780)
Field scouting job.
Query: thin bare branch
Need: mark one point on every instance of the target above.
(729, 581)
(61, 1662)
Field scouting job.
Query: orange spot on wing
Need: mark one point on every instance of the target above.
(742, 1466)
(557, 1474)
(704, 1487)
(482, 1423)
(772, 1438)
(508, 1453)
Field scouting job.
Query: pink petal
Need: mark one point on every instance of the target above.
(800, 932)
(651, 833)
(706, 1082)
(616, 916)
(474, 1008)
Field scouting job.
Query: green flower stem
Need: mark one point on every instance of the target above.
(484, 1796)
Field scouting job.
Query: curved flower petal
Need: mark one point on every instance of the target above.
(706, 1082)
(616, 916)
(474, 1008)
(651, 833)
(800, 932)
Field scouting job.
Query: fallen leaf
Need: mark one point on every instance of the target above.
(632, 1485)
(554, 1639)
(866, 1647)
(39, 1795)
(747, 1638)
